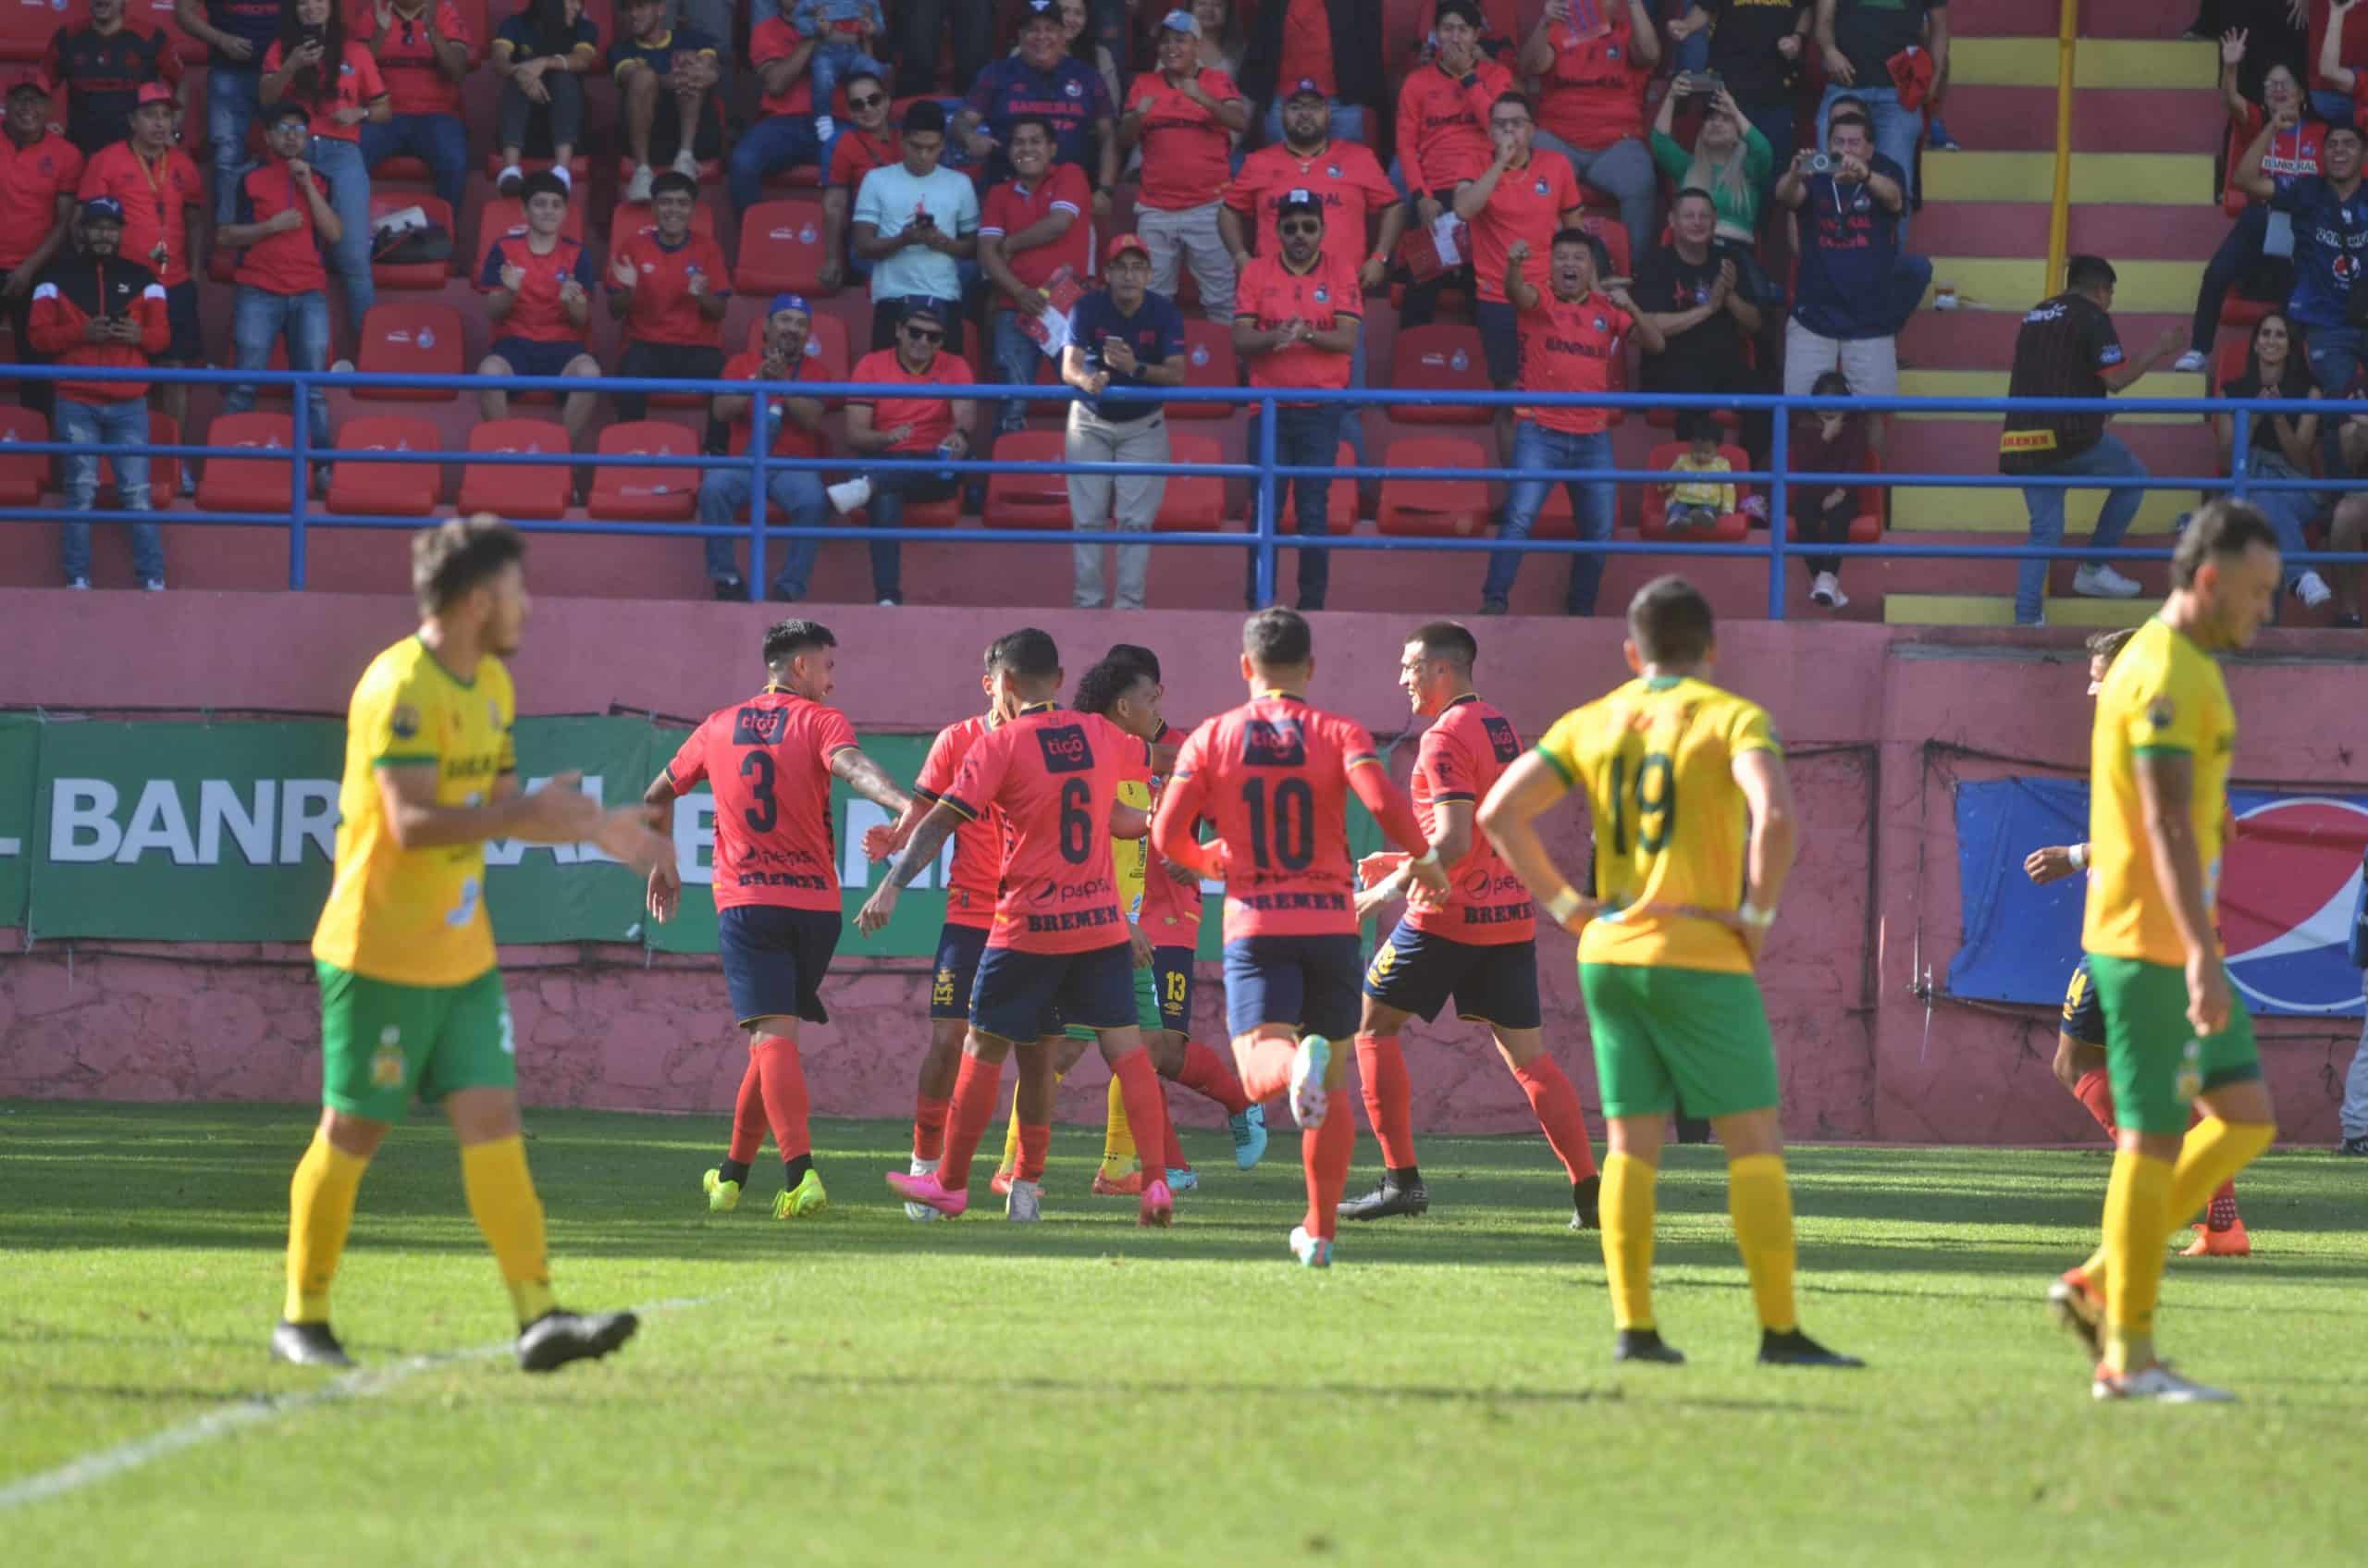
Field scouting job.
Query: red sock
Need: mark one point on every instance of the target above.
(1557, 1104)
(1266, 1072)
(1146, 1111)
(975, 1087)
(1174, 1158)
(1205, 1073)
(783, 1084)
(2223, 1212)
(1326, 1153)
(929, 1128)
(1035, 1143)
(2094, 1090)
(748, 1118)
(1389, 1097)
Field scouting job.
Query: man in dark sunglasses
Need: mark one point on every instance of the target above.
(913, 417)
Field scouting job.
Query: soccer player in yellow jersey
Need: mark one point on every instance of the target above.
(1686, 788)
(2176, 1036)
(410, 1001)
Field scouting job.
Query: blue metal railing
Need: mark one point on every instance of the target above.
(1265, 472)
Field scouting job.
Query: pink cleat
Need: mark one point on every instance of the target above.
(1159, 1206)
(927, 1191)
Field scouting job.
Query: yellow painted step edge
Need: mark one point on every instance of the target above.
(1952, 509)
(2141, 179)
(2118, 62)
(1982, 609)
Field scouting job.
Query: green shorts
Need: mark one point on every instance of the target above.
(2156, 1063)
(1666, 1034)
(384, 1044)
(1147, 1014)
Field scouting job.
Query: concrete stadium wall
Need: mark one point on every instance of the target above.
(1872, 913)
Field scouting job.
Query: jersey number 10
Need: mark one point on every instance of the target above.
(1649, 797)
(1284, 833)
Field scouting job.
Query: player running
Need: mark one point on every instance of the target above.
(1275, 774)
(2079, 1062)
(411, 999)
(2164, 738)
(1478, 944)
(771, 760)
(1058, 950)
(1685, 787)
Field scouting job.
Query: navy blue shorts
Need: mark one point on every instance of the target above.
(1418, 971)
(959, 948)
(1024, 996)
(2084, 1010)
(1309, 982)
(184, 347)
(774, 960)
(1171, 973)
(1499, 341)
(526, 356)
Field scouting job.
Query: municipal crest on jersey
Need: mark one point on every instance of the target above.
(404, 720)
(1540, 186)
(2160, 713)
(1322, 295)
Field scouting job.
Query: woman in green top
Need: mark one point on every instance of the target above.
(1731, 160)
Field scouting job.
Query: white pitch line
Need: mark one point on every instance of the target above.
(362, 1383)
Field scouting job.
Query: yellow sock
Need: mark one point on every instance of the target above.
(2137, 1207)
(1011, 1135)
(1117, 1137)
(1761, 1202)
(320, 1212)
(1627, 1208)
(502, 1200)
(2213, 1152)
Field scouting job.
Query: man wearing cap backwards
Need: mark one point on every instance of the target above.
(537, 285)
(1042, 78)
(1125, 335)
(1185, 116)
(39, 171)
(102, 63)
(1299, 314)
(155, 184)
(915, 223)
(1032, 226)
(100, 308)
(283, 220)
(791, 421)
(911, 417)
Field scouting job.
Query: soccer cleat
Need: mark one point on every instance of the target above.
(1127, 1186)
(803, 1201)
(2156, 1380)
(1000, 1183)
(923, 1188)
(1387, 1199)
(1248, 1132)
(307, 1345)
(1182, 1179)
(1646, 1344)
(1587, 1203)
(559, 1337)
(1309, 1065)
(1793, 1347)
(1158, 1209)
(2229, 1241)
(1024, 1203)
(722, 1196)
(921, 1211)
(2075, 1301)
(1313, 1252)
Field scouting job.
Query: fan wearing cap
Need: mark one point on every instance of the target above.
(154, 184)
(1184, 116)
(1519, 198)
(916, 223)
(102, 63)
(283, 220)
(537, 285)
(792, 422)
(105, 310)
(912, 416)
(1042, 78)
(671, 285)
(1033, 230)
(1126, 333)
(1297, 325)
(1333, 43)
(39, 171)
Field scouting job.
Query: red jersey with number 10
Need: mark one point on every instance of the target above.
(1460, 758)
(978, 843)
(770, 761)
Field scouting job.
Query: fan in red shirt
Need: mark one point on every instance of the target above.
(1443, 111)
(1343, 176)
(1185, 116)
(1031, 227)
(1476, 945)
(39, 173)
(912, 417)
(156, 184)
(670, 287)
(785, 134)
(1060, 950)
(865, 145)
(283, 218)
(1591, 60)
(1274, 775)
(424, 52)
(770, 760)
(537, 285)
(1519, 198)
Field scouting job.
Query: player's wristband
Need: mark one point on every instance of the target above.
(1563, 905)
(2079, 856)
(1755, 917)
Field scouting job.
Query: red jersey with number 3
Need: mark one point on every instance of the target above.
(1460, 758)
(1055, 774)
(769, 759)
(1273, 775)
(978, 843)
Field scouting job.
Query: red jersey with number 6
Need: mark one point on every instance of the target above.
(1055, 774)
(1460, 758)
(978, 843)
(769, 759)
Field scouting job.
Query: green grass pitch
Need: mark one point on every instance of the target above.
(862, 1390)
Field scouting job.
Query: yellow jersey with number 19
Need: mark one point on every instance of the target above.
(416, 917)
(1657, 759)
(2162, 695)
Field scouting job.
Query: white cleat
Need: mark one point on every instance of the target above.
(1024, 1204)
(1313, 1252)
(921, 1211)
(1308, 1067)
(2103, 582)
(2156, 1380)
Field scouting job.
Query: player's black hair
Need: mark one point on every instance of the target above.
(2083, 273)
(670, 181)
(1040, 122)
(1501, 99)
(1137, 655)
(2220, 530)
(1671, 621)
(1099, 689)
(784, 641)
(459, 553)
(1689, 193)
(287, 108)
(849, 80)
(2346, 128)
(2107, 646)
(1697, 424)
(1278, 638)
(926, 116)
(1028, 653)
(1451, 640)
(1467, 10)
(1594, 247)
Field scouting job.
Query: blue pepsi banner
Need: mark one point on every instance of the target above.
(2290, 885)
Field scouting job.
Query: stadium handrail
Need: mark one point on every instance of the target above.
(1262, 468)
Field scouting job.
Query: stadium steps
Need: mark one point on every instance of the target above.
(1993, 384)
(1959, 508)
(1982, 609)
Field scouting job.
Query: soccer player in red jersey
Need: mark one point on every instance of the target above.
(1478, 944)
(771, 760)
(1059, 949)
(1274, 775)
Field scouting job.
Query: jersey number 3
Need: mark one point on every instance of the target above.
(765, 814)
(1644, 805)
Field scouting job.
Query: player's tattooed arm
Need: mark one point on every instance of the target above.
(884, 839)
(868, 779)
(921, 850)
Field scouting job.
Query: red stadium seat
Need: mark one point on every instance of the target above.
(1208, 361)
(26, 28)
(1435, 507)
(2229, 361)
(359, 488)
(248, 483)
(1194, 502)
(508, 489)
(1732, 529)
(646, 495)
(780, 247)
(412, 275)
(1029, 500)
(827, 355)
(23, 474)
(1442, 358)
(400, 338)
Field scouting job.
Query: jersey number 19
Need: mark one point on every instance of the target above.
(1643, 801)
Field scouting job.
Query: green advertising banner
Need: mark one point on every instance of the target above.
(19, 768)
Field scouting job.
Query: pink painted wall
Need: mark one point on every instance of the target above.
(1862, 1058)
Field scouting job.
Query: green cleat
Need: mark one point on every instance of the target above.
(722, 1196)
(803, 1202)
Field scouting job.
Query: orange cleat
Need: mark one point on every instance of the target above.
(1001, 1182)
(1127, 1186)
(2228, 1243)
(2079, 1306)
